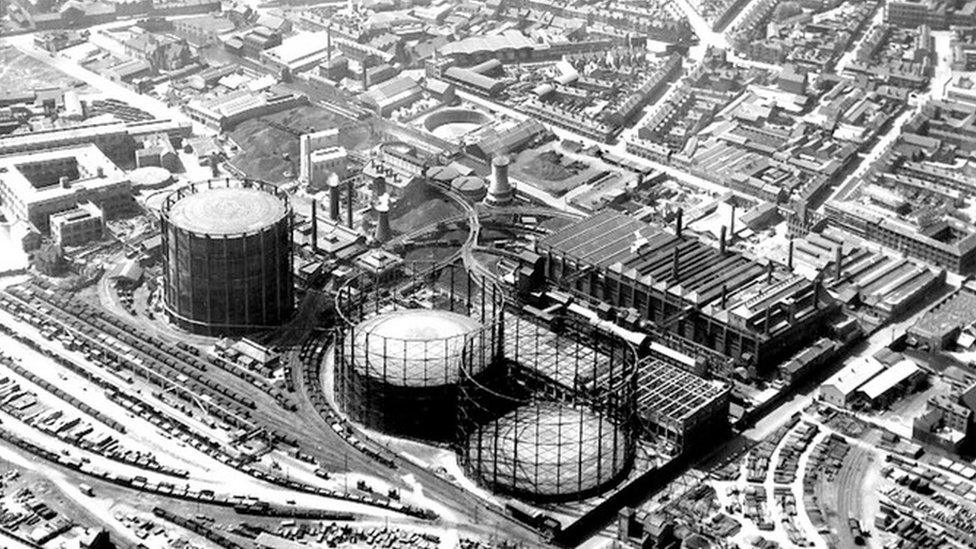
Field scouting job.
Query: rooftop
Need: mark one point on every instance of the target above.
(226, 211)
(85, 161)
(889, 378)
(298, 47)
(854, 375)
(488, 44)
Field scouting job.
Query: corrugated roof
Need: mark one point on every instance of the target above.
(488, 44)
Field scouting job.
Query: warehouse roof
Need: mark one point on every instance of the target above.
(888, 379)
(509, 40)
(854, 375)
(639, 251)
(392, 90)
(472, 78)
(506, 141)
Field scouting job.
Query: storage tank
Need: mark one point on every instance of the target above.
(228, 256)
(397, 367)
(556, 424)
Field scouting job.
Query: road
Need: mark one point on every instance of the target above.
(702, 28)
(943, 64)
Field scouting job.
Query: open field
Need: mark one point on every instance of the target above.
(19, 74)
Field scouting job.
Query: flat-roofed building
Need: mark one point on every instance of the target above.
(35, 185)
(298, 53)
(325, 162)
(915, 13)
(950, 243)
(79, 225)
(310, 142)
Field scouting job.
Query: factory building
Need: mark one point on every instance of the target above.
(948, 243)
(392, 95)
(113, 138)
(324, 162)
(755, 314)
(226, 111)
(911, 14)
(868, 382)
(840, 388)
(311, 142)
(35, 185)
(78, 225)
(885, 283)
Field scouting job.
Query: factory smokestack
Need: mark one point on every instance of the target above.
(769, 273)
(334, 192)
(732, 223)
(675, 264)
(350, 192)
(721, 240)
(383, 232)
(838, 261)
(500, 192)
(315, 225)
(328, 45)
(789, 256)
(677, 222)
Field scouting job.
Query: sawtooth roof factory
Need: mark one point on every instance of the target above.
(753, 313)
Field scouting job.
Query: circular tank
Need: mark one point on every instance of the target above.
(549, 450)
(228, 261)
(471, 187)
(557, 422)
(398, 370)
(150, 178)
(413, 347)
(454, 123)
